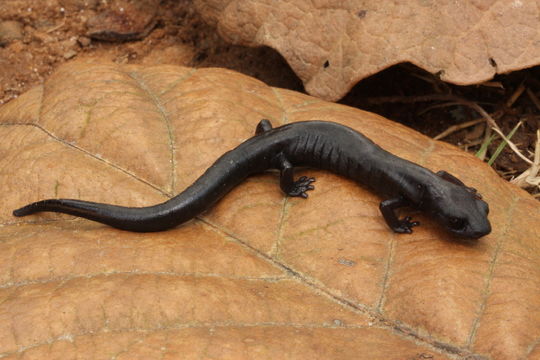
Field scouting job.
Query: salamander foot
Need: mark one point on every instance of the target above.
(405, 225)
(300, 187)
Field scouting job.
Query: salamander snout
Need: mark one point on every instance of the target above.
(480, 225)
(479, 230)
(462, 214)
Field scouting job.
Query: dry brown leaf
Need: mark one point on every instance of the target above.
(260, 275)
(333, 44)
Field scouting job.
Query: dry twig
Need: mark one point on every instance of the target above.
(452, 129)
(56, 27)
(533, 98)
(512, 99)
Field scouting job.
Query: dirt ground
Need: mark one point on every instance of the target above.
(38, 36)
(55, 31)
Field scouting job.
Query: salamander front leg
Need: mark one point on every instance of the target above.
(454, 180)
(287, 182)
(404, 225)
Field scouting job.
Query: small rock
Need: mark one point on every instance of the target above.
(84, 41)
(10, 30)
(42, 36)
(346, 262)
(70, 43)
(69, 54)
(44, 24)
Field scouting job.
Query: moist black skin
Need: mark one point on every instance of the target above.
(318, 144)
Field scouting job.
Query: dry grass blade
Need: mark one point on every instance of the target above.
(457, 100)
(531, 176)
(502, 145)
(495, 127)
(512, 146)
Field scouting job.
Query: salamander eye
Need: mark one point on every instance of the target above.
(457, 223)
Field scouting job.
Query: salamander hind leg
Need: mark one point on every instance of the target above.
(287, 183)
(263, 126)
(298, 187)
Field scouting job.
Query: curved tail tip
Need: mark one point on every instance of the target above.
(25, 210)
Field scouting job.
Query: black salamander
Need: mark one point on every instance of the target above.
(317, 144)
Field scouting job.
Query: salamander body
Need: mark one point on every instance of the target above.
(318, 144)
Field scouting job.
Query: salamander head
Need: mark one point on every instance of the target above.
(459, 209)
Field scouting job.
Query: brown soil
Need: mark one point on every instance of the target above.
(55, 31)
(51, 32)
